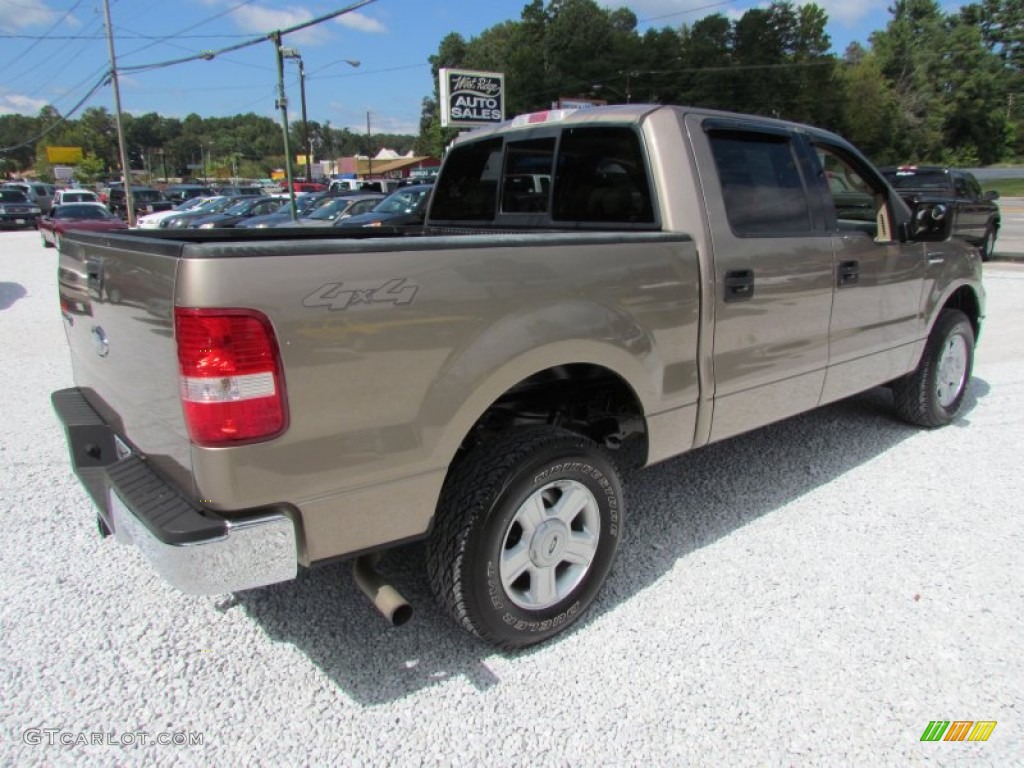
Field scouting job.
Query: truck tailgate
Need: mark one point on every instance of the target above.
(117, 301)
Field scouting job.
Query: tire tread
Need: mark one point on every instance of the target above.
(473, 483)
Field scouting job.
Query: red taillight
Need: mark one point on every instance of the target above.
(232, 389)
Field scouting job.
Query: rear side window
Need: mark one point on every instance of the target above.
(526, 184)
(468, 186)
(590, 175)
(601, 177)
(762, 188)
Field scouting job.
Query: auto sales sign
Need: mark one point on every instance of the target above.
(470, 99)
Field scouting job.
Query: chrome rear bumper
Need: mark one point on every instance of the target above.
(192, 547)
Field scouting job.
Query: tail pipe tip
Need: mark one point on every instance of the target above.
(384, 597)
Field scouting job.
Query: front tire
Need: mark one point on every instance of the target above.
(933, 395)
(526, 530)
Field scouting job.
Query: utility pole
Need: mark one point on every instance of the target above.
(129, 201)
(305, 123)
(282, 104)
(369, 146)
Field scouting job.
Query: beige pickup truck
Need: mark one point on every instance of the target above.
(593, 291)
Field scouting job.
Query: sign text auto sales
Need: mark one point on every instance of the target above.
(470, 98)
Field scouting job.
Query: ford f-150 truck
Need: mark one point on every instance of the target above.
(253, 402)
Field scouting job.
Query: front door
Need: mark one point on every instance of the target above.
(876, 315)
(773, 275)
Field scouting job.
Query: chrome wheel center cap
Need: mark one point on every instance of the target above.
(548, 543)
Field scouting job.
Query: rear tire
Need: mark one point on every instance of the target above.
(933, 395)
(988, 243)
(526, 530)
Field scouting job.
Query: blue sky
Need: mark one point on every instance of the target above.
(54, 51)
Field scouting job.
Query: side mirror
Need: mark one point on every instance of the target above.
(991, 195)
(931, 222)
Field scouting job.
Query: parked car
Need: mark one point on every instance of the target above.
(152, 220)
(75, 195)
(404, 208)
(308, 186)
(145, 200)
(215, 205)
(305, 204)
(239, 191)
(243, 208)
(976, 217)
(332, 210)
(92, 217)
(37, 192)
(179, 193)
(16, 210)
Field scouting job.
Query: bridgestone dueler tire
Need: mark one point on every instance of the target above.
(483, 498)
(918, 394)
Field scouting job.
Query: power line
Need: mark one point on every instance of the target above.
(44, 36)
(63, 119)
(208, 55)
(134, 36)
(683, 13)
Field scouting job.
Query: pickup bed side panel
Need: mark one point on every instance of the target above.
(391, 356)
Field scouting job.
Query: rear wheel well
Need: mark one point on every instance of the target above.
(581, 397)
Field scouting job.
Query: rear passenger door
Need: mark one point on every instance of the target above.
(773, 276)
(876, 315)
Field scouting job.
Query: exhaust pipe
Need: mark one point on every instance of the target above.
(384, 597)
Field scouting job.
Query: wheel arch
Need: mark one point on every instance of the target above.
(965, 299)
(600, 393)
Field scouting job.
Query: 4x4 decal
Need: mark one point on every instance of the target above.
(339, 297)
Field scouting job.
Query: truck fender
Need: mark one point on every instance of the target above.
(520, 345)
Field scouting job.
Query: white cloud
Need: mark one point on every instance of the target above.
(20, 104)
(261, 19)
(361, 23)
(16, 15)
(254, 18)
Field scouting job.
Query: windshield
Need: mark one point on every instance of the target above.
(12, 196)
(330, 210)
(192, 204)
(403, 201)
(241, 208)
(81, 212)
(216, 206)
(78, 197)
(918, 179)
(147, 195)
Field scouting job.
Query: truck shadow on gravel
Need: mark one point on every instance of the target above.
(674, 509)
(10, 293)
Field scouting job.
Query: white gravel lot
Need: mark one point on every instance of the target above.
(813, 593)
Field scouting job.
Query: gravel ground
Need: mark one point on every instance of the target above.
(813, 593)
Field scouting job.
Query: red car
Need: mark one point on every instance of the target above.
(88, 216)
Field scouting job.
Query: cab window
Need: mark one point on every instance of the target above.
(762, 188)
(859, 200)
